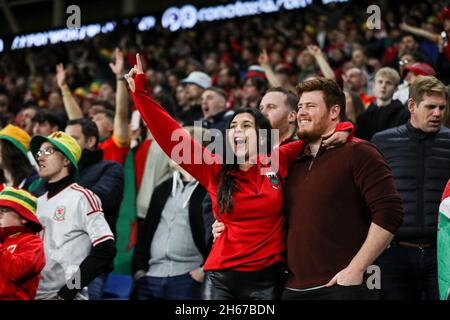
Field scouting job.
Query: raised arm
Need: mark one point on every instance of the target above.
(322, 62)
(263, 61)
(121, 116)
(420, 32)
(171, 137)
(70, 104)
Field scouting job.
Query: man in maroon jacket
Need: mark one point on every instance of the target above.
(342, 205)
(21, 250)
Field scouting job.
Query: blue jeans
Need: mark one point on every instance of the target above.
(96, 287)
(181, 287)
(409, 274)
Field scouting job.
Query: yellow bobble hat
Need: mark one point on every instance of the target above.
(63, 142)
(17, 136)
(22, 202)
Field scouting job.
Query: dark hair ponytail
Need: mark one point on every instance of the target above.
(226, 188)
(227, 176)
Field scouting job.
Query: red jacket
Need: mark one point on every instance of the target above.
(254, 236)
(112, 151)
(21, 262)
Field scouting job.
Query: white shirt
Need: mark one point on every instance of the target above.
(73, 222)
(402, 93)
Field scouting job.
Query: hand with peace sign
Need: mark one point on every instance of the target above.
(137, 69)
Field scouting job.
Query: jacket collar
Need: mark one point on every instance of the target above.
(306, 153)
(103, 139)
(417, 133)
(6, 232)
(217, 117)
(55, 187)
(89, 157)
(178, 186)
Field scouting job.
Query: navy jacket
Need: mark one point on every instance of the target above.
(420, 164)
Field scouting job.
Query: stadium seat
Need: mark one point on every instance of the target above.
(118, 287)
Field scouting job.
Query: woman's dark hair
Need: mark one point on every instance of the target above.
(15, 162)
(227, 183)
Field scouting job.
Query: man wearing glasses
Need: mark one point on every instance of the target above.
(78, 242)
(406, 58)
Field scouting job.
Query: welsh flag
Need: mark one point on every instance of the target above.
(127, 222)
(443, 245)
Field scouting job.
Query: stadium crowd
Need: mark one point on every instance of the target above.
(91, 186)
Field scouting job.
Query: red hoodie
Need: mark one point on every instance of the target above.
(254, 236)
(21, 262)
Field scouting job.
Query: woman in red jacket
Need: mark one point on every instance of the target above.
(246, 261)
(21, 250)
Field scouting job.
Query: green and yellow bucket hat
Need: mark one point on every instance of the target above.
(63, 142)
(17, 136)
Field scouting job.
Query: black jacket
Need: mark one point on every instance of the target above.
(188, 117)
(376, 119)
(420, 164)
(104, 178)
(219, 121)
(148, 228)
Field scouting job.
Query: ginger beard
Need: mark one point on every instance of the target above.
(313, 117)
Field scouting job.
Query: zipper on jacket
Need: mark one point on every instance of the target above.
(311, 164)
(420, 214)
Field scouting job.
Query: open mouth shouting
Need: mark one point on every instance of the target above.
(240, 146)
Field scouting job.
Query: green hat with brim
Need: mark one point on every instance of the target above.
(67, 145)
(17, 136)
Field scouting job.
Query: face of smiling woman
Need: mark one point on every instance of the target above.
(242, 136)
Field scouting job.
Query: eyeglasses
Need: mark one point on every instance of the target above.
(404, 62)
(45, 152)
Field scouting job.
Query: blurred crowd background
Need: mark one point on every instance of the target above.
(243, 57)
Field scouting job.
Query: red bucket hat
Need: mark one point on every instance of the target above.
(22, 202)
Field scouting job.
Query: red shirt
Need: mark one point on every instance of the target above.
(254, 236)
(113, 151)
(366, 100)
(21, 262)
